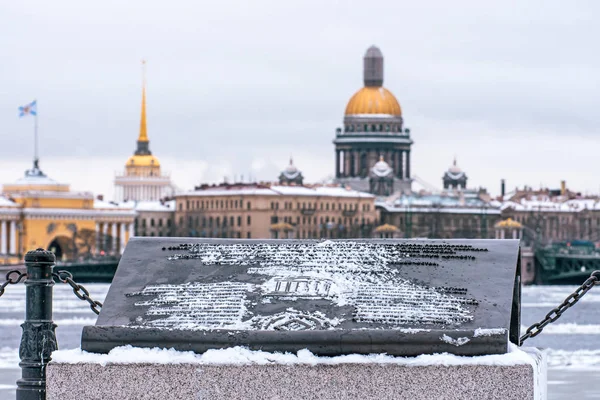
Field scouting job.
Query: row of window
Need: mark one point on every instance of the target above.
(217, 221)
(314, 220)
(288, 205)
(160, 222)
(374, 128)
(213, 204)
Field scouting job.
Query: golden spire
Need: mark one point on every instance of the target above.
(143, 131)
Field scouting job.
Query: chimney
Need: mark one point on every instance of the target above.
(563, 188)
(502, 187)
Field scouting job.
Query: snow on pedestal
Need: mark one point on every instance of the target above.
(239, 373)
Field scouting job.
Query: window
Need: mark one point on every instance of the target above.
(210, 222)
(231, 221)
(272, 206)
(217, 221)
(248, 205)
(327, 207)
(160, 222)
(169, 222)
(152, 222)
(239, 221)
(248, 221)
(189, 222)
(204, 222)
(181, 221)
(180, 206)
(248, 235)
(144, 222)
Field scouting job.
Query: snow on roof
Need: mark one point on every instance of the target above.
(276, 190)
(155, 206)
(544, 203)
(4, 202)
(101, 204)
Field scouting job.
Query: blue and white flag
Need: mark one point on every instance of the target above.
(28, 109)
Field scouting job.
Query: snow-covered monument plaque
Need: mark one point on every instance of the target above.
(400, 297)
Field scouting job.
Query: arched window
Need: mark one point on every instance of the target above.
(151, 221)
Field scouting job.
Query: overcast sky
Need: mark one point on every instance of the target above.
(509, 87)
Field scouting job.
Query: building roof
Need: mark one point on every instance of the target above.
(373, 100)
(450, 202)
(508, 223)
(386, 228)
(155, 206)
(276, 190)
(6, 202)
(543, 203)
(146, 160)
(111, 205)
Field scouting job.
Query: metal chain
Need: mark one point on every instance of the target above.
(569, 302)
(67, 277)
(11, 281)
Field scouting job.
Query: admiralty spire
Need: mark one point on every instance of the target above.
(142, 179)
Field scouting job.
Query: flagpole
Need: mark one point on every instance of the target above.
(35, 137)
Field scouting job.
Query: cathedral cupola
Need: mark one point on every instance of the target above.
(455, 178)
(291, 175)
(381, 178)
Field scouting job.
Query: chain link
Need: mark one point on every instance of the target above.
(569, 302)
(11, 281)
(80, 291)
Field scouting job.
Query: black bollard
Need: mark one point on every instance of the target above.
(38, 340)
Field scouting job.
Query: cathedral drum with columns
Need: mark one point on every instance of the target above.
(373, 130)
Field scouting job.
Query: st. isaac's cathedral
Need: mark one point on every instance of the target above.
(372, 149)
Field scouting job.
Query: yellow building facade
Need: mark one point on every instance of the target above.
(36, 211)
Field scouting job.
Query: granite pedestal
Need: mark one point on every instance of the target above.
(407, 379)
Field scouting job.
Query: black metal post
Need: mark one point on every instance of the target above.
(38, 340)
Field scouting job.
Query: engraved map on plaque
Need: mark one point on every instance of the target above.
(204, 286)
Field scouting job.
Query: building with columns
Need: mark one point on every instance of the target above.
(452, 213)
(373, 127)
(143, 179)
(37, 211)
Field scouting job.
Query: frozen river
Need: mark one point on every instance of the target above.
(574, 341)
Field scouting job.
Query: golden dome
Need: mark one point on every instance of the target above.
(142, 161)
(373, 100)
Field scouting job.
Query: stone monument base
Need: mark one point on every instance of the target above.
(426, 377)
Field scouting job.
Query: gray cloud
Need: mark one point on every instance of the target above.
(233, 82)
